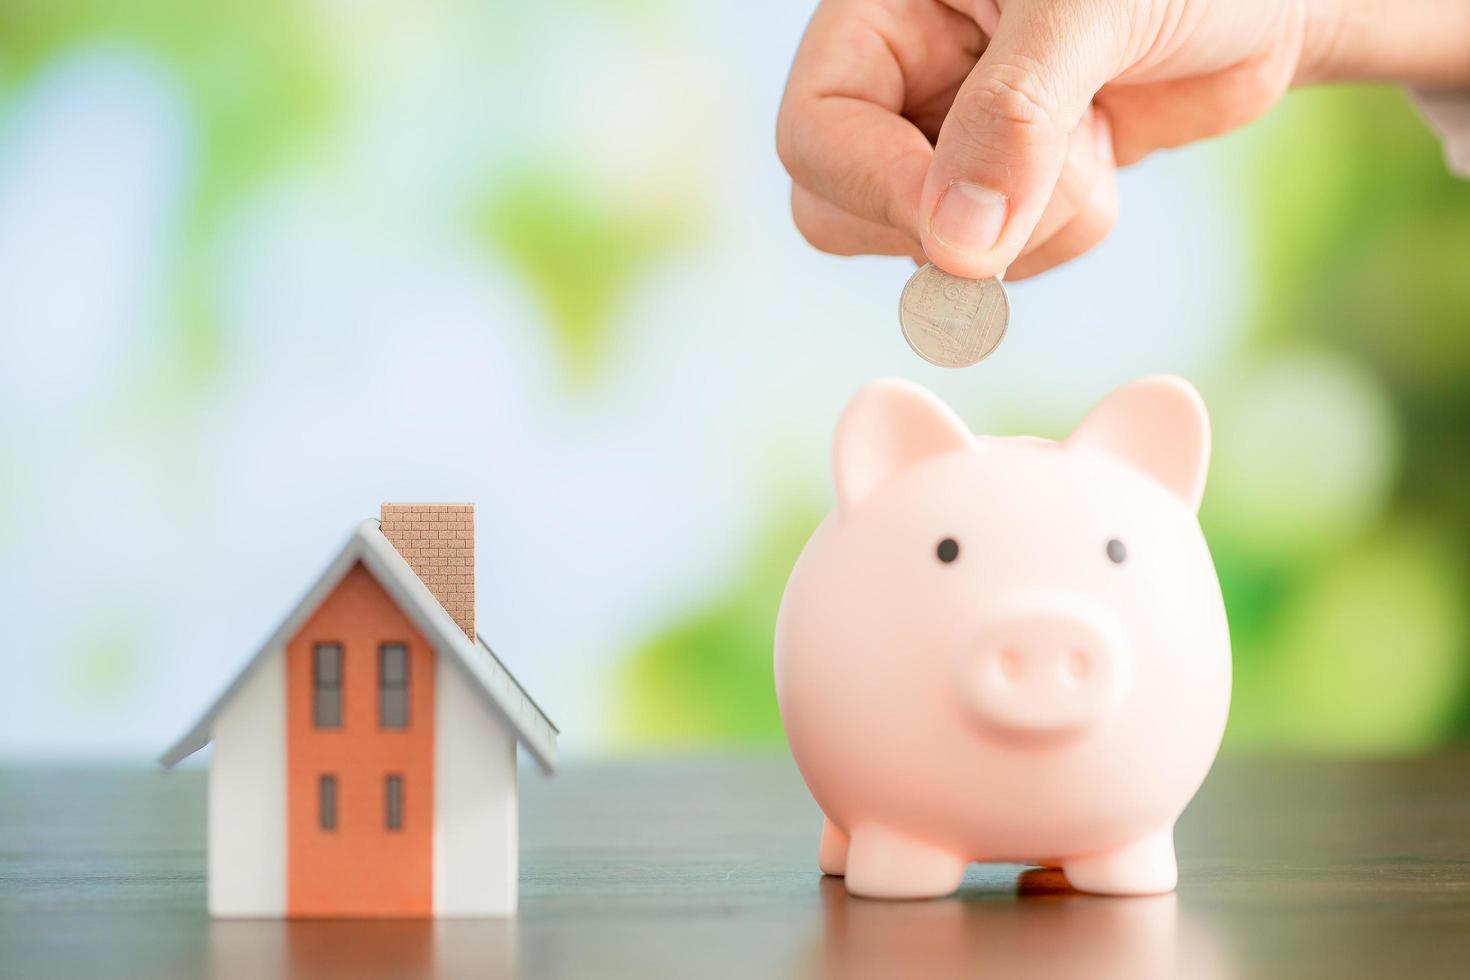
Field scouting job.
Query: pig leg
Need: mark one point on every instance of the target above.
(884, 864)
(832, 853)
(1144, 867)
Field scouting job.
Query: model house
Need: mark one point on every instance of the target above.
(365, 757)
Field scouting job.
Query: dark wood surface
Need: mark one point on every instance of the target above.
(707, 868)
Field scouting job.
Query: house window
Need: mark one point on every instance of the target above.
(393, 803)
(326, 684)
(326, 802)
(393, 685)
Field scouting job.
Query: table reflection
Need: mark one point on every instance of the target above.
(364, 949)
(1037, 927)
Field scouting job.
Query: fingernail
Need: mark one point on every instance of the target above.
(968, 217)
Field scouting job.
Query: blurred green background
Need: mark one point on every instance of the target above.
(264, 267)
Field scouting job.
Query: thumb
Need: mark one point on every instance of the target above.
(1004, 141)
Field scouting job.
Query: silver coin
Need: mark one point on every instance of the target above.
(953, 322)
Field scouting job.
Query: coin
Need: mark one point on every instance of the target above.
(953, 322)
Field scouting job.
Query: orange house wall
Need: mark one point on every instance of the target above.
(361, 868)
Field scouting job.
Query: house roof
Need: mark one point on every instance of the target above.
(501, 692)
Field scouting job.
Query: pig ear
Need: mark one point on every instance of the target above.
(1160, 426)
(888, 425)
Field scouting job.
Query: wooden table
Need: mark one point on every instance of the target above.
(707, 868)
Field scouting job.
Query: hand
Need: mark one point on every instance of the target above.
(986, 135)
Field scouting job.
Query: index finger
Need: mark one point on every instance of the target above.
(841, 133)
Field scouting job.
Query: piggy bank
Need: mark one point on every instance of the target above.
(1007, 649)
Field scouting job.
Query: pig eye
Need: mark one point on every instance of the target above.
(948, 550)
(1116, 551)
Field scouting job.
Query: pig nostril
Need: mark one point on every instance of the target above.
(1078, 665)
(1011, 665)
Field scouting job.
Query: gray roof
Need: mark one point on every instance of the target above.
(501, 692)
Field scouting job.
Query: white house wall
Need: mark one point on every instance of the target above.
(475, 828)
(247, 797)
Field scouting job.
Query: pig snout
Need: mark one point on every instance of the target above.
(1043, 669)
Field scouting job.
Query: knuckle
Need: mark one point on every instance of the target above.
(815, 231)
(798, 145)
(809, 232)
(826, 150)
(1009, 102)
(811, 163)
(822, 239)
(813, 237)
(786, 143)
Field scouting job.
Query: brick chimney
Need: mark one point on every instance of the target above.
(438, 542)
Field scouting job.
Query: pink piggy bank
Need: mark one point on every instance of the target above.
(1007, 649)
